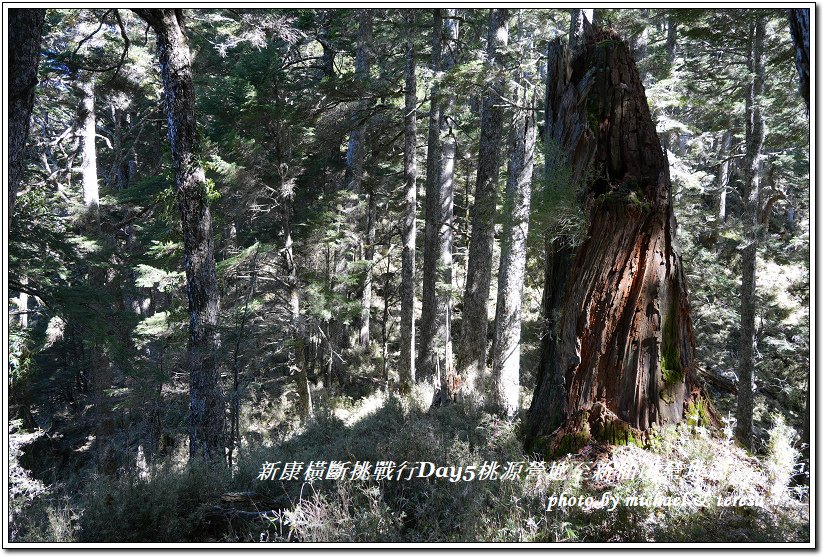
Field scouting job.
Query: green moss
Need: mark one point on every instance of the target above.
(697, 413)
(670, 360)
(570, 442)
(612, 431)
(617, 432)
(636, 197)
(607, 42)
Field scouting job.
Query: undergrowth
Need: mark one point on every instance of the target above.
(175, 503)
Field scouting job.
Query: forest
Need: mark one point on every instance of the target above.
(408, 275)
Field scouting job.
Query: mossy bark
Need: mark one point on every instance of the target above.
(619, 354)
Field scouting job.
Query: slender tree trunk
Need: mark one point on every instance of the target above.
(101, 366)
(724, 175)
(368, 257)
(23, 305)
(328, 57)
(206, 400)
(234, 438)
(353, 179)
(474, 323)
(410, 174)
(755, 134)
(447, 383)
(88, 126)
(297, 350)
(25, 29)
(672, 38)
(385, 322)
(356, 218)
(297, 325)
(507, 344)
(426, 351)
(800, 31)
(618, 355)
(805, 428)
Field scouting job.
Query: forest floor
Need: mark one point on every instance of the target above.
(21, 482)
(689, 484)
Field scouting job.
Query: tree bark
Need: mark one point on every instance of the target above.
(369, 258)
(474, 322)
(672, 38)
(800, 31)
(577, 17)
(754, 140)
(206, 400)
(410, 174)
(559, 251)
(617, 356)
(88, 126)
(724, 175)
(23, 306)
(507, 343)
(25, 29)
(426, 351)
(353, 179)
(447, 383)
(328, 57)
(102, 377)
(297, 326)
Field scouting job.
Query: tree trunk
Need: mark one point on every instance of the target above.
(23, 305)
(805, 428)
(88, 126)
(25, 29)
(724, 175)
(754, 140)
(672, 38)
(206, 400)
(577, 17)
(426, 351)
(102, 377)
(507, 343)
(328, 57)
(368, 257)
(447, 383)
(297, 326)
(559, 251)
(800, 31)
(387, 302)
(474, 323)
(617, 356)
(410, 175)
(353, 179)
